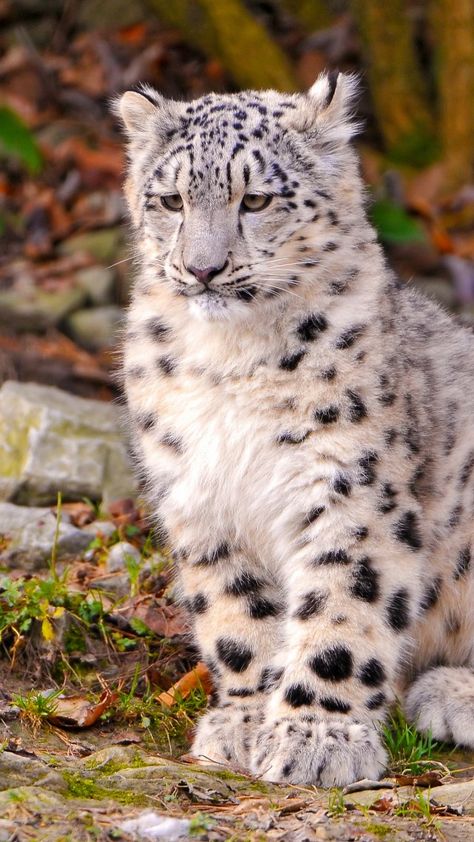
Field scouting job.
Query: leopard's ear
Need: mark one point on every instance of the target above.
(333, 95)
(326, 111)
(137, 107)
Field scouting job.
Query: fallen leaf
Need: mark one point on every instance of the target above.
(163, 619)
(432, 778)
(78, 712)
(197, 677)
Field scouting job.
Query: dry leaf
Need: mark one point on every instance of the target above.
(78, 712)
(197, 677)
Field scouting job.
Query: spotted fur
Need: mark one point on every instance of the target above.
(301, 422)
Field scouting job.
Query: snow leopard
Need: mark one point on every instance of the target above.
(302, 423)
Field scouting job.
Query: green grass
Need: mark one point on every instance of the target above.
(409, 750)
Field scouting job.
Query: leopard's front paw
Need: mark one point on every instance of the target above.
(224, 735)
(309, 750)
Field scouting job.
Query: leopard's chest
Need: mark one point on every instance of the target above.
(236, 467)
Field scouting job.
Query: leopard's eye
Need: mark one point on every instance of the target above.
(172, 202)
(253, 202)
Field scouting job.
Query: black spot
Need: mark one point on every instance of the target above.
(234, 654)
(288, 768)
(146, 422)
(312, 604)
(136, 372)
(367, 464)
(349, 336)
(333, 664)
(397, 610)
(219, 553)
(157, 329)
(334, 705)
(327, 415)
(463, 563)
(365, 583)
(388, 502)
(329, 373)
(376, 701)
(246, 293)
(292, 438)
(259, 607)
(313, 515)
(291, 361)
(269, 678)
(166, 364)
(333, 557)
(241, 692)
(342, 485)
(360, 533)
(454, 517)
(357, 407)
(243, 584)
(174, 442)
(466, 469)
(312, 326)
(298, 695)
(390, 436)
(199, 603)
(431, 595)
(372, 673)
(406, 530)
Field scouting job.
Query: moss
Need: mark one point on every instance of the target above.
(81, 787)
(111, 766)
(377, 829)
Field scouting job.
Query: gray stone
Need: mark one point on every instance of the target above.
(53, 441)
(24, 305)
(97, 282)
(96, 328)
(100, 529)
(118, 555)
(27, 537)
(103, 244)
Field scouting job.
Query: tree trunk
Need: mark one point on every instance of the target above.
(311, 14)
(226, 30)
(453, 25)
(396, 84)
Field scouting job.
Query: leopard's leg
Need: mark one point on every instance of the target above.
(353, 594)
(236, 613)
(441, 700)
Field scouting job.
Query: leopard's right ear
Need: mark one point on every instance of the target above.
(137, 108)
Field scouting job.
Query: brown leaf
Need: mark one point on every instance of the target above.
(80, 513)
(78, 712)
(161, 618)
(432, 778)
(197, 677)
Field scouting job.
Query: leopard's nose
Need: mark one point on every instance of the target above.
(205, 276)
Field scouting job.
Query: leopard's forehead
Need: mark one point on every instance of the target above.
(224, 143)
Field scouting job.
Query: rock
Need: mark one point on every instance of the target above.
(53, 441)
(97, 282)
(117, 585)
(97, 328)
(26, 306)
(460, 795)
(27, 537)
(100, 529)
(103, 244)
(118, 555)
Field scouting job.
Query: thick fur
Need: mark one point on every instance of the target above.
(304, 430)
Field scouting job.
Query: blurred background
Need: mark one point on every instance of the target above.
(65, 270)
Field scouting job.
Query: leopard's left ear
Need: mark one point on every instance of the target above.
(326, 111)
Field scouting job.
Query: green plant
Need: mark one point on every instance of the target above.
(418, 807)
(35, 706)
(16, 140)
(336, 804)
(393, 223)
(409, 751)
